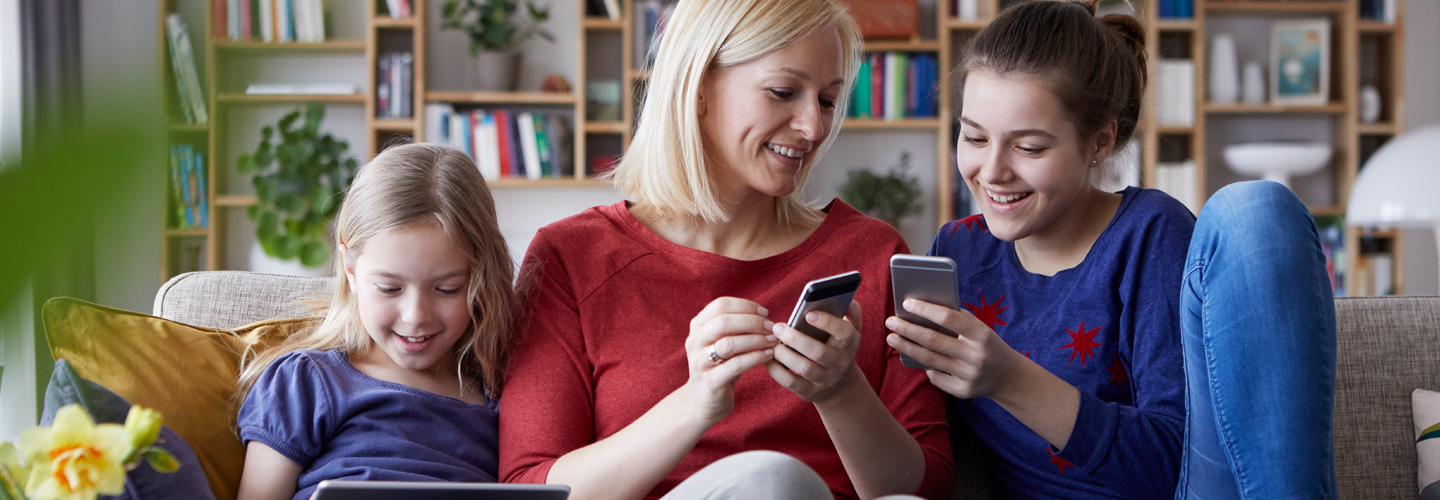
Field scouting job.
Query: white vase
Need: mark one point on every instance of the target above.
(1369, 104)
(495, 71)
(1254, 83)
(1224, 70)
(261, 262)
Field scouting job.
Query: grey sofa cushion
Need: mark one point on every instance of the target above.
(230, 299)
(1388, 347)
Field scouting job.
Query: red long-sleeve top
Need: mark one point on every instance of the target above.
(608, 314)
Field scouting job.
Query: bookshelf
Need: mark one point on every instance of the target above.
(1362, 51)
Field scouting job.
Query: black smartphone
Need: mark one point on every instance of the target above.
(831, 295)
(931, 279)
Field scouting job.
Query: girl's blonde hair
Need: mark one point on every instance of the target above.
(666, 171)
(405, 184)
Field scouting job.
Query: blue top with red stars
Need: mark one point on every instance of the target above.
(1110, 327)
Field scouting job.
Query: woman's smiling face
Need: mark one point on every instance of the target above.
(1022, 159)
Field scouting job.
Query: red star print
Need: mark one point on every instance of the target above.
(1082, 343)
(988, 313)
(973, 219)
(1060, 463)
(1117, 372)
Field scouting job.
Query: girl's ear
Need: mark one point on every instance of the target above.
(348, 266)
(1104, 142)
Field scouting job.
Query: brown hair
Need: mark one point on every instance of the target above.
(1096, 67)
(405, 184)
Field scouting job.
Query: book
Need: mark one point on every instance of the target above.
(487, 144)
(542, 145)
(612, 9)
(189, 215)
(562, 149)
(202, 194)
(187, 81)
(405, 96)
(267, 21)
(502, 141)
(1175, 92)
(512, 138)
(528, 145)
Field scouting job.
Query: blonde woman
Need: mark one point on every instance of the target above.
(399, 381)
(655, 345)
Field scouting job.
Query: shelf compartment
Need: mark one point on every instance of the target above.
(326, 46)
(501, 97)
(883, 124)
(604, 127)
(394, 125)
(1275, 7)
(236, 200)
(1332, 108)
(288, 98)
(394, 23)
(568, 182)
(902, 46)
(602, 24)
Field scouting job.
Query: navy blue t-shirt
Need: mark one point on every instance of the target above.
(1110, 327)
(315, 408)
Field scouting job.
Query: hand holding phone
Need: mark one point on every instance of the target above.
(830, 295)
(931, 279)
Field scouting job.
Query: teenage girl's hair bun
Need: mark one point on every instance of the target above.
(1131, 34)
(1090, 5)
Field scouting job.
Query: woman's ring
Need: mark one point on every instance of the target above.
(714, 356)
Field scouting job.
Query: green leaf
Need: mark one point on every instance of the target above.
(161, 460)
(268, 225)
(314, 254)
(290, 203)
(265, 134)
(269, 243)
(244, 164)
(252, 212)
(264, 191)
(288, 247)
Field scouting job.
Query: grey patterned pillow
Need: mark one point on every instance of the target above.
(1426, 407)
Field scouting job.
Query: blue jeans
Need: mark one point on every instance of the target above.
(1258, 329)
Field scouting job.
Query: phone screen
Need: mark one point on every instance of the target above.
(831, 295)
(931, 279)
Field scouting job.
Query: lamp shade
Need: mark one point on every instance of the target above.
(1400, 185)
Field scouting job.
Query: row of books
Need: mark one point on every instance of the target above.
(650, 17)
(269, 20)
(1175, 92)
(393, 88)
(187, 188)
(182, 61)
(896, 85)
(604, 8)
(506, 143)
(1177, 9)
(1179, 180)
(398, 8)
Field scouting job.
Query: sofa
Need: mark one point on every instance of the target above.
(1388, 347)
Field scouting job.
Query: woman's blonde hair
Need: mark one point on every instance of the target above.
(666, 171)
(405, 184)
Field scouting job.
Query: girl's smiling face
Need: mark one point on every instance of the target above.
(1022, 159)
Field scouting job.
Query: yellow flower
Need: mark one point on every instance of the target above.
(11, 472)
(74, 459)
(143, 426)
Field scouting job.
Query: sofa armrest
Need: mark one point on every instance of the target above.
(229, 299)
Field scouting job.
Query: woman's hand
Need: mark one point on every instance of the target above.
(727, 338)
(812, 369)
(976, 364)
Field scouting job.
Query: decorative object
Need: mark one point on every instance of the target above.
(888, 197)
(1396, 186)
(555, 83)
(1369, 104)
(1426, 407)
(1300, 62)
(299, 183)
(495, 30)
(1278, 161)
(885, 18)
(602, 100)
(1254, 83)
(1224, 70)
(74, 458)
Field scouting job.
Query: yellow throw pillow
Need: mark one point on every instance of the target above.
(185, 372)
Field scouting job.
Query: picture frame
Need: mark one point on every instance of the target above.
(1300, 62)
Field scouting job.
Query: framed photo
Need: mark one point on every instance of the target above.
(1300, 62)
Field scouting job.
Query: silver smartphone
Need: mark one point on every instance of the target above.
(931, 279)
(831, 295)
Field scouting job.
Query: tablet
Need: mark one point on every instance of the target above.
(416, 490)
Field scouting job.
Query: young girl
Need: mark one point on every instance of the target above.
(1069, 365)
(399, 381)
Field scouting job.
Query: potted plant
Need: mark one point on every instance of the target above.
(299, 182)
(888, 197)
(495, 29)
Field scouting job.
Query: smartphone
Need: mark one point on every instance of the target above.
(931, 279)
(831, 295)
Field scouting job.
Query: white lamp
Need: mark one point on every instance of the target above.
(1400, 185)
